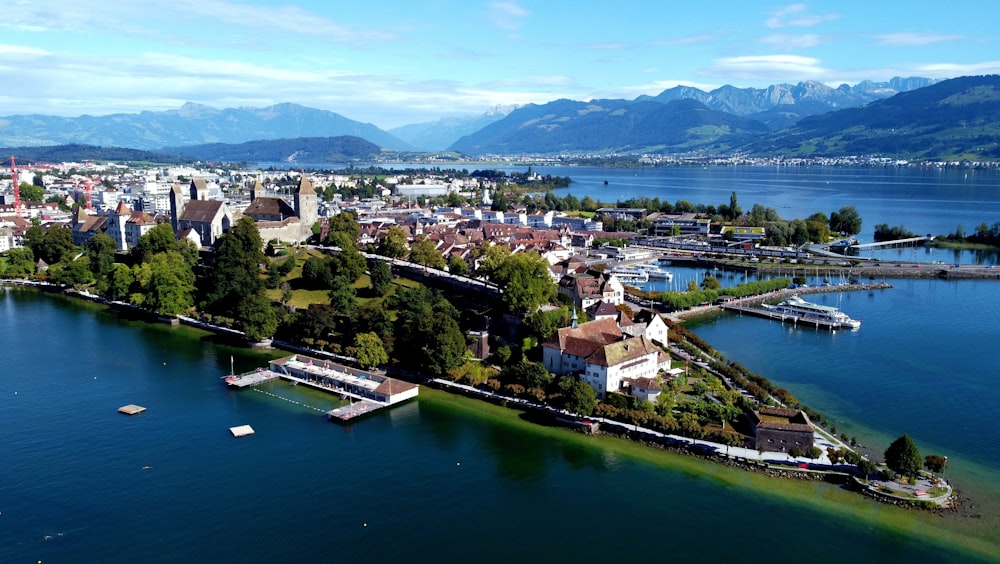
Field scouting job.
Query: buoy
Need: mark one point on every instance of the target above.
(164, 364)
(458, 464)
(366, 524)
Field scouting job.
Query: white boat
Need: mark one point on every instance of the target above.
(653, 271)
(801, 310)
(630, 274)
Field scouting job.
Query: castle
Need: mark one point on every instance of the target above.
(275, 219)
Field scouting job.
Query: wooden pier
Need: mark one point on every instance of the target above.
(350, 411)
(253, 378)
(908, 242)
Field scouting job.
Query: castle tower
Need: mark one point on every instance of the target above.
(306, 203)
(176, 205)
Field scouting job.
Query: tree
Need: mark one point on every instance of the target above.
(457, 265)
(903, 457)
(528, 374)
(316, 273)
(734, 208)
(380, 275)
(935, 463)
(581, 398)
(393, 243)
(168, 284)
(120, 282)
(72, 273)
(100, 251)
(342, 295)
(235, 273)
(347, 223)
(159, 239)
(846, 221)
(867, 467)
(31, 193)
(524, 282)
(424, 252)
(256, 317)
(349, 262)
(490, 259)
(57, 244)
(710, 283)
(446, 347)
(20, 262)
(369, 351)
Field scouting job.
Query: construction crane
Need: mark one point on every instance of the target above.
(17, 188)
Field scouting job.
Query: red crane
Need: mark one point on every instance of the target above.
(17, 188)
(90, 205)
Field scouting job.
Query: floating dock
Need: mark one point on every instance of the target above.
(253, 378)
(348, 412)
(131, 409)
(241, 431)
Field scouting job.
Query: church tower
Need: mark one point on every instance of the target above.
(306, 203)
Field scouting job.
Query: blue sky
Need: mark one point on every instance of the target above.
(392, 63)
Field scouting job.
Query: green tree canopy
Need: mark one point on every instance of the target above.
(528, 374)
(903, 457)
(846, 221)
(235, 271)
(342, 295)
(257, 318)
(20, 262)
(581, 398)
(100, 251)
(424, 252)
(524, 282)
(159, 239)
(31, 193)
(380, 275)
(56, 245)
(347, 223)
(167, 284)
(393, 243)
(369, 351)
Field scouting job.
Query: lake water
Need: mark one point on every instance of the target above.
(450, 479)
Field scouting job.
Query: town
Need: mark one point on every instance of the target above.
(537, 310)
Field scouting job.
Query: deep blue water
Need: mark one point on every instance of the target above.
(80, 482)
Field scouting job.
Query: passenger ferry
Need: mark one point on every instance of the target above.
(653, 271)
(814, 313)
(629, 274)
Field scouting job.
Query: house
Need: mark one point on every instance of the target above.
(601, 355)
(683, 224)
(126, 226)
(650, 324)
(778, 429)
(590, 287)
(644, 389)
(86, 226)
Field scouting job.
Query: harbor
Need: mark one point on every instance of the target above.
(367, 391)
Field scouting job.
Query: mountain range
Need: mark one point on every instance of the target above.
(905, 117)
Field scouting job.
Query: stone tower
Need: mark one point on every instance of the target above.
(306, 203)
(176, 205)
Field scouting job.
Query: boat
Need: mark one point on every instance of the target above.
(800, 310)
(653, 271)
(629, 274)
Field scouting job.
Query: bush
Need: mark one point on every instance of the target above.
(795, 452)
(814, 452)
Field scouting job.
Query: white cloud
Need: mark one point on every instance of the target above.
(790, 42)
(910, 39)
(507, 15)
(796, 15)
(21, 50)
(767, 67)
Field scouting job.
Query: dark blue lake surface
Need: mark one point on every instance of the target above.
(449, 480)
(429, 480)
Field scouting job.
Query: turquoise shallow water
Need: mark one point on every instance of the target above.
(423, 481)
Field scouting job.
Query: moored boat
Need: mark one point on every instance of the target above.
(801, 310)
